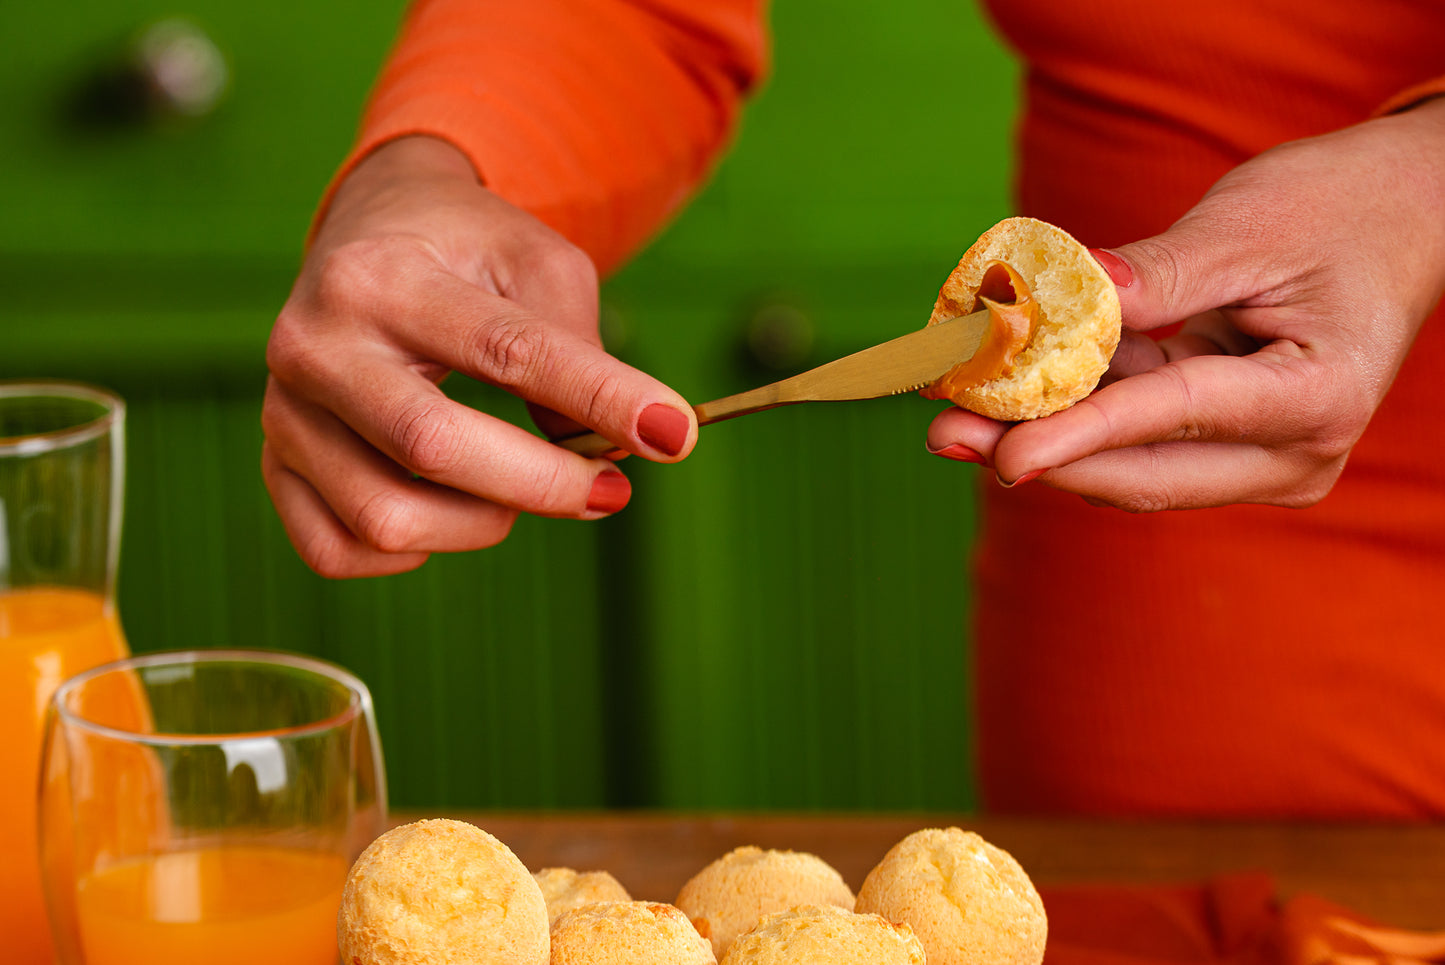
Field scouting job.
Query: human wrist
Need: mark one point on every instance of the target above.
(409, 158)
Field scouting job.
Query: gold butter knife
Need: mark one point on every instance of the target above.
(903, 364)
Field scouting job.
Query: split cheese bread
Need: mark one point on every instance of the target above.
(1074, 331)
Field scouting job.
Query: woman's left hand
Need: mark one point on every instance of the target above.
(1301, 280)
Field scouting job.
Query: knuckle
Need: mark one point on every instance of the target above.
(326, 555)
(1154, 498)
(562, 263)
(502, 528)
(272, 420)
(290, 352)
(1143, 502)
(552, 492)
(427, 437)
(1313, 485)
(602, 401)
(345, 278)
(1192, 425)
(1164, 263)
(1334, 414)
(575, 266)
(355, 276)
(510, 352)
(388, 521)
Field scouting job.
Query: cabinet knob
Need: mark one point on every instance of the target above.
(183, 67)
(778, 336)
(170, 69)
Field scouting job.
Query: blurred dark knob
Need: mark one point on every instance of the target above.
(170, 69)
(778, 337)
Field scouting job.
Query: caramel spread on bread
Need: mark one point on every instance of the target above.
(1011, 316)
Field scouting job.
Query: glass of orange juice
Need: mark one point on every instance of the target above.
(61, 471)
(205, 806)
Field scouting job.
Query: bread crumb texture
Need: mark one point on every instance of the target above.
(441, 892)
(628, 933)
(1078, 319)
(565, 889)
(826, 935)
(969, 902)
(731, 895)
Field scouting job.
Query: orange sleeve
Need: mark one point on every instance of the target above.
(1413, 96)
(598, 116)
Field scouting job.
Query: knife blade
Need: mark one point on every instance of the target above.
(899, 365)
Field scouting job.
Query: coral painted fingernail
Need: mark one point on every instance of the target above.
(960, 453)
(1117, 267)
(663, 428)
(610, 492)
(1026, 477)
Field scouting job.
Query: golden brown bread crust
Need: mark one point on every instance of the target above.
(826, 935)
(437, 893)
(969, 902)
(565, 889)
(628, 933)
(730, 896)
(1078, 321)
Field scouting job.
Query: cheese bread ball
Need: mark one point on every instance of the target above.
(1076, 331)
(565, 889)
(826, 935)
(969, 902)
(441, 893)
(628, 933)
(732, 894)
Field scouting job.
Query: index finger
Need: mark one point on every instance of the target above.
(497, 341)
(1275, 396)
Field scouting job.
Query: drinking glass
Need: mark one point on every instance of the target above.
(61, 471)
(205, 806)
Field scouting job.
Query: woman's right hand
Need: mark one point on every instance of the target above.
(418, 271)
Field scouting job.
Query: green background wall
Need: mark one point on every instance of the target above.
(780, 621)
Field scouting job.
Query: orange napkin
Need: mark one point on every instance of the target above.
(1231, 920)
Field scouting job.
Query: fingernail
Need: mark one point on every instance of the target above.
(1026, 477)
(960, 453)
(610, 492)
(1117, 267)
(663, 428)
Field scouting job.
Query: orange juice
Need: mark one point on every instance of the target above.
(226, 905)
(46, 635)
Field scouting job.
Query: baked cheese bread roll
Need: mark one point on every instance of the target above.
(826, 935)
(1050, 343)
(565, 889)
(627, 933)
(969, 902)
(732, 894)
(437, 893)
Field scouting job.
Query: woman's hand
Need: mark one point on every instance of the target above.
(418, 271)
(1301, 280)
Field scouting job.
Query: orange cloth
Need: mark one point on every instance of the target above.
(1230, 920)
(1239, 661)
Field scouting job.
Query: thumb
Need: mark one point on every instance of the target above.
(1173, 276)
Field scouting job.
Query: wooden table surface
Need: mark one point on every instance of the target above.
(1395, 875)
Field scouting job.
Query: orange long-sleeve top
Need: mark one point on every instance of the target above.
(1238, 661)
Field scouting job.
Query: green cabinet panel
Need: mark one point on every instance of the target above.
(242, 178)
(802, 575)
(779, 621)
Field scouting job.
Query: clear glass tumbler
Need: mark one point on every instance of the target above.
(206, 806)
(62, 452)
